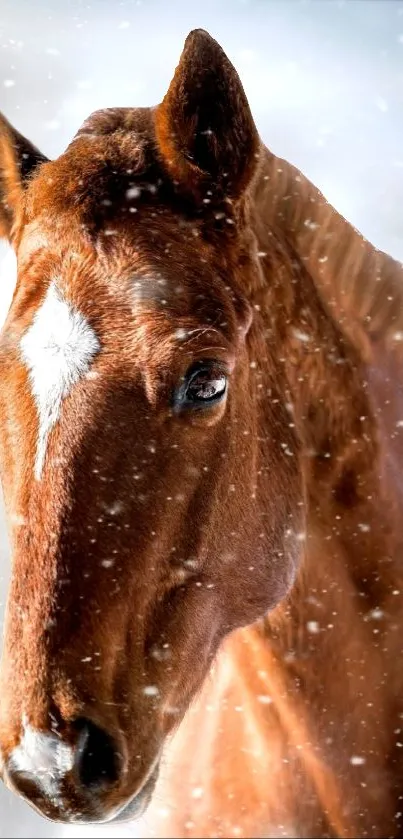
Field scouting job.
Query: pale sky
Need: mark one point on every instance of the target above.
(324, 80)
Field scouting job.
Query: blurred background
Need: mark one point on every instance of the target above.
(325, 82)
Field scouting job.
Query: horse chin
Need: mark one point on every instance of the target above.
(137, 805)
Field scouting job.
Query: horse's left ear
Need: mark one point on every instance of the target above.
(205, 130)
(18, 158)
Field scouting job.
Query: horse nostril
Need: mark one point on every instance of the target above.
(98, 761)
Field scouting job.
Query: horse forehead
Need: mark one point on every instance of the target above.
(59, 331)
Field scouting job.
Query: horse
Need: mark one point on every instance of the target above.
(201, 436)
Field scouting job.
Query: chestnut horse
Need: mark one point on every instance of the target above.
(201, 426)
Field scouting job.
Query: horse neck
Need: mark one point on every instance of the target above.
(345, 420)
(332, 324)
(330, 643)
(346, 488)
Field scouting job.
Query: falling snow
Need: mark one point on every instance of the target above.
(342, 128)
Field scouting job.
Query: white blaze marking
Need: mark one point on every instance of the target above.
(58, 349)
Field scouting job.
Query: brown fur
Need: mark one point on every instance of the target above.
(276, 514)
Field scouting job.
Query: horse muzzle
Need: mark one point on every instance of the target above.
(80, 779)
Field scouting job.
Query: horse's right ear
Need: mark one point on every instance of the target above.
(18, 159)
(204, 127)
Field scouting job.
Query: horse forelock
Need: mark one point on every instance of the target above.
(94, 174)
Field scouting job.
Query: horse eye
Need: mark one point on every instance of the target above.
(204, 386)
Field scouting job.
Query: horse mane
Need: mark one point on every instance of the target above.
(361, 286)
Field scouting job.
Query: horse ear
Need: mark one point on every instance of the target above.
(18, 159)
(204, 126)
